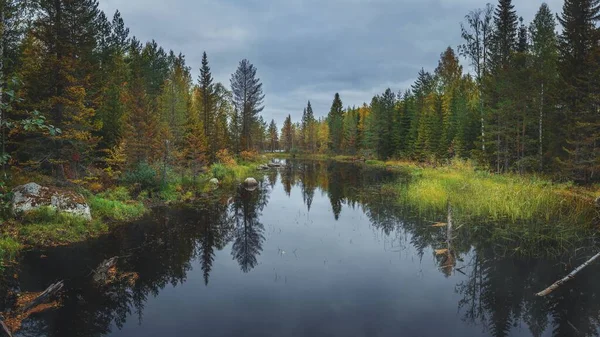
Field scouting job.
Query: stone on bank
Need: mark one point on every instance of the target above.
(32, 196)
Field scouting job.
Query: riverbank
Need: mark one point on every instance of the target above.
(114, 205)
(480, 194)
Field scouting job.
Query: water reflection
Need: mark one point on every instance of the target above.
(248, 231)
(493, 290)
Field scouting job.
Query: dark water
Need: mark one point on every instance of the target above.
(317, 250)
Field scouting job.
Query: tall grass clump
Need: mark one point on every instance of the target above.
(230, 174)
(9, 247)
(116, 204)
(495, 197)
(46, 226)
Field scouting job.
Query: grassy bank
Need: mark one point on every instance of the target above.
(504, 197)
(507, 198)
(127, 200)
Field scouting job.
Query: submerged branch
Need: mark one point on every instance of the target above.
(43, 297)
(567, 278)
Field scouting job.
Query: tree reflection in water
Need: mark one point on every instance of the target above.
(248, 230)
(495, 283)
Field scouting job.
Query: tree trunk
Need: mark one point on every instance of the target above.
(567, 278)
(541, 153)
(2, 86)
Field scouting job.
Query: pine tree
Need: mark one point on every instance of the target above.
(287, 136)
(207, 113)
(195, 144)
(449, 72)
(505, 37)
(273, 136)
(310, 127)
(479, 35)
(577, 68)
(141, 134)
(350, 141)
(336, 120)
(111, 110)
(499, 87)
(174, 101)
(383, 111)
(223, 112)
(66, 33)
(248, 99)
(235, 130)
(544, 62)
(303, 131)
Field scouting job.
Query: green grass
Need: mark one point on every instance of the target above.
(116, 205)
(231, 174)
(47, 227)
(496, 197)
(9, 247)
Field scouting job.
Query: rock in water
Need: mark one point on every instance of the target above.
(32, 196)
(250, 182)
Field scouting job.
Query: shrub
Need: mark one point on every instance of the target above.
(249, 156)
(225, 158)
(219, 171)
(143, 175)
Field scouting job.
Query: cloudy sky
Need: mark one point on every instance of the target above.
(309, 49)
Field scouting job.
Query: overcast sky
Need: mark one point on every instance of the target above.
(309, 49)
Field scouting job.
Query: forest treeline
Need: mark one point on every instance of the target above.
(81, 97)
(529, 104)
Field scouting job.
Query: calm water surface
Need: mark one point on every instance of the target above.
(317, 250)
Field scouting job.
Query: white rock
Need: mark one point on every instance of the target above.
(32, 196)
(249, 182)
(214, 181)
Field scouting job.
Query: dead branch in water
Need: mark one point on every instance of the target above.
(5, 329)
(26, 305)
(43, 297)
(567, 278)
(103, 271)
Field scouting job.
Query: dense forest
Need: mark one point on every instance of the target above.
(82, 98)
(529, 103)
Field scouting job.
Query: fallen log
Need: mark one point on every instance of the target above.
(52, 290)
(103, 271)
(567, 278)
(5, 329)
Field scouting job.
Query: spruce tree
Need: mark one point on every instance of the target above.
(248, 99)
(544, 51)
(273, 136)
(577, 68)
(309, 123)
(205, 81)
(505, 37)
(335, 120)
(67, 33)
(287, 136)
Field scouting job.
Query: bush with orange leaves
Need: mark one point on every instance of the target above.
(225, 158)
(249, 156)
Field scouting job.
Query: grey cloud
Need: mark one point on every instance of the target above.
(309, 49)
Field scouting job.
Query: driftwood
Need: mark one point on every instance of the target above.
(567, 278)
(5, 329)
(43, 297)
(102, 272)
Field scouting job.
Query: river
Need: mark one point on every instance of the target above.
(317, 250)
